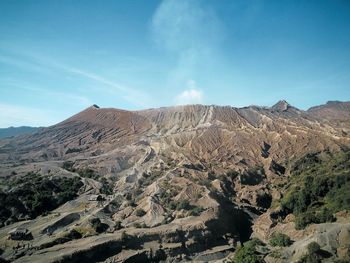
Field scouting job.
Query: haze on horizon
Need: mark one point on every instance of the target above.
(59, 57)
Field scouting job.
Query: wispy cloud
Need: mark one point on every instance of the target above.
(192, 95)
(20, 63)
(191, 32)
(38, 62)
(133, 96)
(66, 97)
(14, 115)
(185, 25)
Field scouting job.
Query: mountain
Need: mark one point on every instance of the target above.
(332, 110)
(175, 183)
(14, 131)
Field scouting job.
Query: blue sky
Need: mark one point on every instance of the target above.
(59, 57)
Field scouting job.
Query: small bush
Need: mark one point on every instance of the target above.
(106, 187)
(325, 215)
(68, 165)
(172, 205)
(276, 254)
(302, 220)
(137, 225)
(140, 212)
(74, 234)
(281, 240)
(247, 253)
(183, 205)
(94, 222)
(98, 226)
(307, 218)
(310, 259)
(88, 173)
(313, 247)
(196, 211)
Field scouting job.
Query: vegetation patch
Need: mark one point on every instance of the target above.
(280, 240)
(149, 178)
(320, 187)
(313, 247)
(106, 188)
(33, 195)
(249, 253)
(314, 254)
(253, 176)
(98, 226)
(140, 212)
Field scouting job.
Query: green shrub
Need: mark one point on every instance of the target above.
(325, 215)
(276, 254)
(319, 188)
(68, 165)
(196, 211)
(313, 248)
(247, 253)
(106, 187)
(302, 220)
(339, 198)
(184, 204)
(137, 225)
(281, 240)
(88, 173)
(206, 183)
(256, 242)
(253, 176)
(140, 212)
(94, 222)
(33, 195)
(310, 259)
(172, 205)
(97, 225)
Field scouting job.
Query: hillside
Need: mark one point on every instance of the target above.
(15, 131)
(177, 184)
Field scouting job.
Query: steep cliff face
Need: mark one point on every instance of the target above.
(192, 177)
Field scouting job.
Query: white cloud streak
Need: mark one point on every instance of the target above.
(192, 95)
(185, 25)
(62, 96)
(191, 32)
(131, 95)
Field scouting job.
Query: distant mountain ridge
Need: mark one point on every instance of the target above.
(14, 131)
(335, 110)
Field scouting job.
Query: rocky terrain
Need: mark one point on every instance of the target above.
(178, 184)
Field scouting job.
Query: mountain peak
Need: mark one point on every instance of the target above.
(281, 105)
(333, 102)
(95, 106)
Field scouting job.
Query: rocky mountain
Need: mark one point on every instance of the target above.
(184, 183)
(332, 110)
(14, 131)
